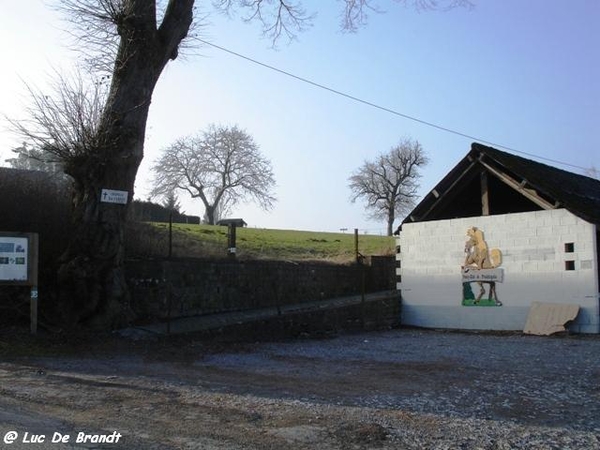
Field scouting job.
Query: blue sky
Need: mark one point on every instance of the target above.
(524, 74)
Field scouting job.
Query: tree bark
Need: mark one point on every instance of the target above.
(390, 223)
(93, 288)
(210, 214)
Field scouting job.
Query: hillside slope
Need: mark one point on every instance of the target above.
(152, 239)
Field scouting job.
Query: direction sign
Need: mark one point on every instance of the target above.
(113, 196)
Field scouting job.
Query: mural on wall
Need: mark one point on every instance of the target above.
(481, 266)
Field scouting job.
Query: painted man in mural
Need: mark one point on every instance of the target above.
(480, 266)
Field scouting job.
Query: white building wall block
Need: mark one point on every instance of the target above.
(534, 248)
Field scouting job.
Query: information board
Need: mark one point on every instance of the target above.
(14, 256)
(19, 265)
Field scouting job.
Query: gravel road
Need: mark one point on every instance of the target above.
(398, 389)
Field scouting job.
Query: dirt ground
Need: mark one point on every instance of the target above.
(397, 389)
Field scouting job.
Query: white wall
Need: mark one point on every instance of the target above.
(533, 259)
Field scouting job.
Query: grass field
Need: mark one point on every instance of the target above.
(210, 240)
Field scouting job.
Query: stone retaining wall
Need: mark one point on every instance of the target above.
(187, 287)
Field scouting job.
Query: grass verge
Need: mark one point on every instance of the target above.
(190, 240)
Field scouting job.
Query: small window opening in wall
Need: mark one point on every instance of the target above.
(397, 249)
(569, 247)
(569, 265)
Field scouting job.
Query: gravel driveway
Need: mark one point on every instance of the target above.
(398, 389)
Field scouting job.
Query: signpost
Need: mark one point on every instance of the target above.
(13, 258)
(114, 196)
(19, 265)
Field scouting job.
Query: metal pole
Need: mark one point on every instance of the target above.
(231, 244)
(356, 245)
(362, 296)
(170, 234)
(34, 309)
(33, 278)
(168, 274)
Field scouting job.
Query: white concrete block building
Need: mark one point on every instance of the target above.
(541, 223)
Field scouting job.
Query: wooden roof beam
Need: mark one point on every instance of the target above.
(519, 186)
(439, 197)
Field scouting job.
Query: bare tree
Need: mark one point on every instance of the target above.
(281, 17)
(98, 129)
(389, 184)
(221, 166)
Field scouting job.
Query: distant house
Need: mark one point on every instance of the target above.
(236, 222)
(521, 230)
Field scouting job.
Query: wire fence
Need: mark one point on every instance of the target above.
(205, 241)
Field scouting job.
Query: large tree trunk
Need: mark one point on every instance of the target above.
(210, 215)
(91, 277)
(391, 216)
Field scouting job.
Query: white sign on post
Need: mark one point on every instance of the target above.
(13, 258)
(18, 258)
(470, 274)
(19, 265)
(113, 196)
